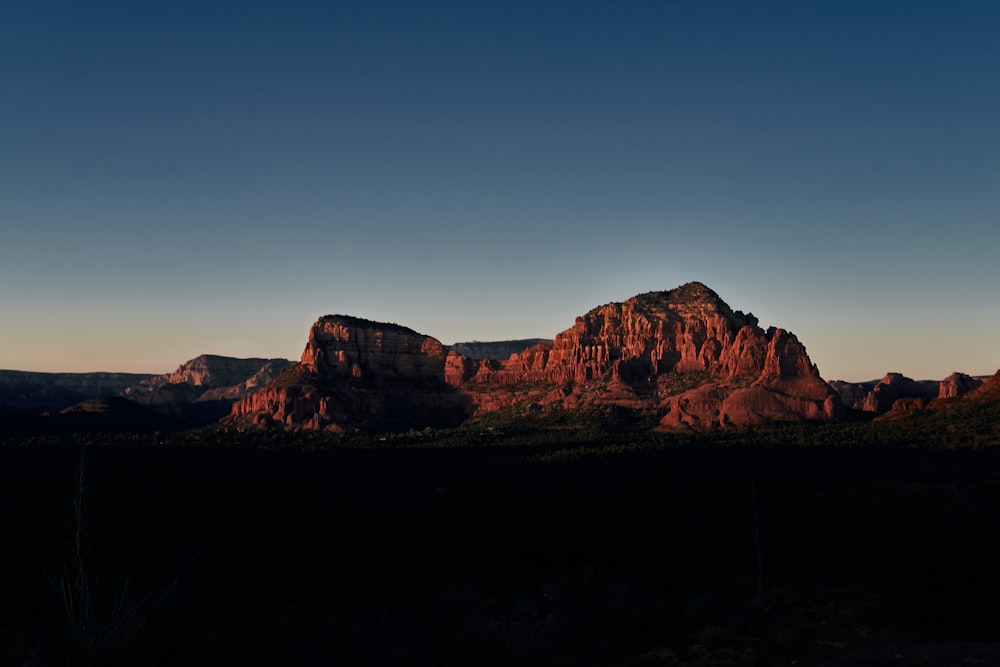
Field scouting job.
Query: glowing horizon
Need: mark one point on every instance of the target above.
(181, 180)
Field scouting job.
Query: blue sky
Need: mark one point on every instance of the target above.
(179, 178)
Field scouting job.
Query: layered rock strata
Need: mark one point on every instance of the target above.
(881, 396)
(355, 373)
(203, 389)
(681, 357)
(497, 350)
(207, 377)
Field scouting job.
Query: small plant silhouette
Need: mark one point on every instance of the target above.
(100, 624)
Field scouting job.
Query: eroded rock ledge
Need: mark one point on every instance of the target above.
(682, 358)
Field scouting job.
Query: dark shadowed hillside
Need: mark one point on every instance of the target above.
(688, 555)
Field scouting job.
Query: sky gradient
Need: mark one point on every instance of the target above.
(179, 178)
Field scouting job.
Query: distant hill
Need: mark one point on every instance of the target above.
(199, 392)
(878, 397)
(37, 392)
(108, 414)
(202, 390)
(496, 350)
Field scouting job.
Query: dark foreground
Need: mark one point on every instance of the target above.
(499, 556)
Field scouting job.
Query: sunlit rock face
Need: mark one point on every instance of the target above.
(880, 397)
(203, 389)
(355, 373)
(348, 347)
(958, 384)
(958, 392)
(681, 358)
(683, 355)
(208, 377)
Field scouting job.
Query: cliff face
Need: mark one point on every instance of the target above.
(203, 389)
(497, 350)
(358, 373)
(880, 397)
(206, 378)
(958, 384)
(979, 397)
(683, 354)
(683, 357)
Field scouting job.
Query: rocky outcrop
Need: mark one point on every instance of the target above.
(880, 396)
(203, 389)
(496, 350)
(208, 377)
(355, 373)
(853, 394)
(902, 408)
(958, 384)
(895, 386)
(681, 357)
(987, 389)
(975, 409)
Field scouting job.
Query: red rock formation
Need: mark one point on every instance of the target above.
(987, 389)
(358, 373)
(682, 356)
(902, 408)
(895, 386)
(207, 377)
(957, 384)
(880, 397)
(986, 393)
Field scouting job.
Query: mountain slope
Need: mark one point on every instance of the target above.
(680, 358)
(32, 391)
(203, 389)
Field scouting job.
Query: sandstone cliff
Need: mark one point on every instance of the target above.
(203, 389)
(207, 377)
(968, 417)
(682, 357)
(497, 350)
(355, 373)
(879, 397)
(958, 384)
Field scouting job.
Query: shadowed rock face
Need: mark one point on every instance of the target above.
(208, 377)
(358, 373)
(203, 389)
(958, 384)
(496, 349)
(681, 357)
(25, 390)
(984, 391)
(881, 397)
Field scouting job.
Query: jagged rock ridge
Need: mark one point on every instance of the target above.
(359, 373)
(203, 389)
(209, 377)
(497, 350)
(881, 396)
(682, 357)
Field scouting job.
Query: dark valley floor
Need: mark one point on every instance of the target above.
(492, 556)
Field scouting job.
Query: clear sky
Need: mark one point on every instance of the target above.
(179, 178)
